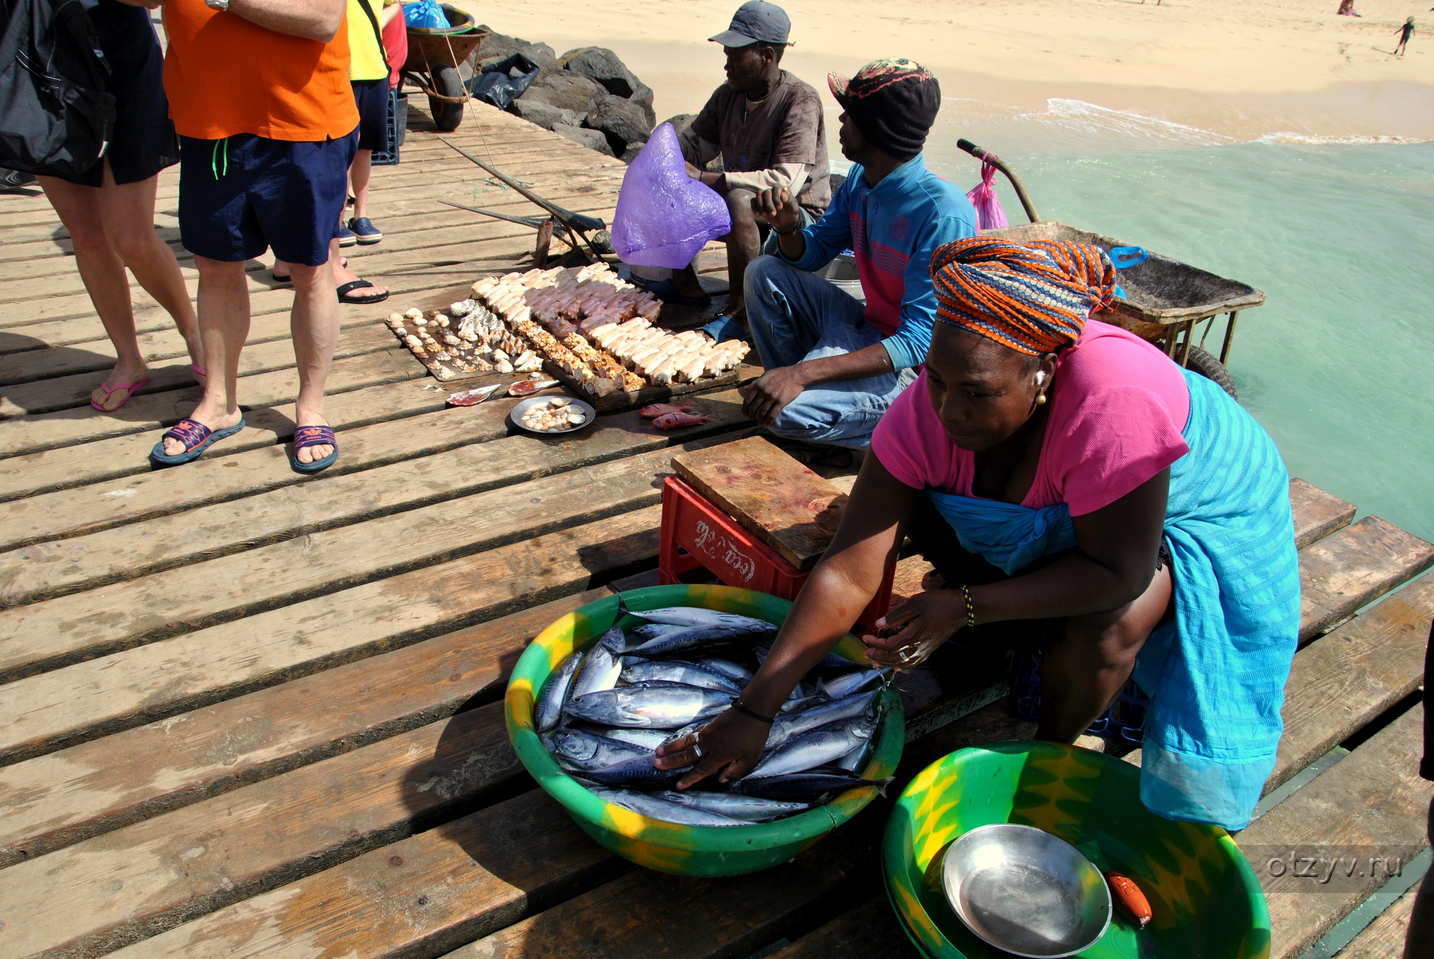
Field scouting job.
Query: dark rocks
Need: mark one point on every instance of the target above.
(587, 95)
(633, 149)
(602, 65)
(681, 122)
(545, 114)
(592, 139)
(621, 120)
(496, 46)
(566, 90)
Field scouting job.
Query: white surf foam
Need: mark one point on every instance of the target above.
(1094, 118)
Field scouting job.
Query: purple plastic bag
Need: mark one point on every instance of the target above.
(989, 215)
(664, 216)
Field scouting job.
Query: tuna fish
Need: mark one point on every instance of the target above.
(649, 805)
(648, 705)
(816, 748)
(646, 670)
(555, 693)
(750, 808)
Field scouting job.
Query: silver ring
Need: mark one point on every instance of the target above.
(697, 744)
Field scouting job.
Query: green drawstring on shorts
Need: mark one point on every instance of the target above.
(221, 147)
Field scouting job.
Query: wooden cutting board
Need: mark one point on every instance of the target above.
(787, 506)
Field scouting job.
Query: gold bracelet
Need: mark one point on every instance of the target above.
(970, 607)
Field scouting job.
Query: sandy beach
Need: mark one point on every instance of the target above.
(1236, 68)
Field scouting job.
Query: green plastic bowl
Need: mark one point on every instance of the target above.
(1206, 901)
(664, 846)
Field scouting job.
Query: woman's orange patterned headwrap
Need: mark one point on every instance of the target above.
(1031, 297)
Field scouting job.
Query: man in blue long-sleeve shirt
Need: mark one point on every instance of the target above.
(833, 363)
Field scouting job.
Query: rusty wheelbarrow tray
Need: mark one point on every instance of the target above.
(434, 56)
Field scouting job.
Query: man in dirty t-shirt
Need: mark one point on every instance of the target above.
(767, 126)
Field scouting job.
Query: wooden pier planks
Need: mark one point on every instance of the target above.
(374, 678)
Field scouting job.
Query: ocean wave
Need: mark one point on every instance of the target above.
(1094, 118)
(1313, 140)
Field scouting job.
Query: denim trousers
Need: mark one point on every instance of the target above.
(795, 315)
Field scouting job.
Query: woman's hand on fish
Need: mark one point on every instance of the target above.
(728, 746)
(909, 634)
(777, 208)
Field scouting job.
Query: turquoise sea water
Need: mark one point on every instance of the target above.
(1338, 364)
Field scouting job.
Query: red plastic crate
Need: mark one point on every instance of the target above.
(697, 534)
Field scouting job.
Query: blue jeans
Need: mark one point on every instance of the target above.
(794, 316)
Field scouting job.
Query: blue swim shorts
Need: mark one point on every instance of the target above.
(244, 193)
(371, 98)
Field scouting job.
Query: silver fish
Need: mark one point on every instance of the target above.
(650, 705)
(733, 671)
(649, 805)
(701, 635)
(790, 725)
(648, 739)
(637, 773)
(645, 670)
(816, 785)
(555, 693)
(600, 670)
(816, 748)
(856, 760)
(585, 750)
(839, 686)
(750, 808)
(698, 616)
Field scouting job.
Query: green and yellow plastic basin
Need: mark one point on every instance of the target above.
(664, 846)
(1206, 901)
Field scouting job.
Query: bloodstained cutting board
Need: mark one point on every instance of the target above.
(787, 506)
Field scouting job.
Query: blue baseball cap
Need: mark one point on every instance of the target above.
(756, 21)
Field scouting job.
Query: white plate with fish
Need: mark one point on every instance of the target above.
(545, 415)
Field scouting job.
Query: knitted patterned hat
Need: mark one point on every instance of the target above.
(1031, 297)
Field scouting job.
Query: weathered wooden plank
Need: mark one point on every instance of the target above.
(429, 492)
(146, 412)
(146, 684)
(867, 931)
(211, 479)
(1354, 566)
(441, 888)
(785, 505)
(1310, 501)
(100, 892)
(680, 917)
(1342, 681)
(117, 457)
(60, 799)
(1371, 803)
(1385, 937)
(73, 390)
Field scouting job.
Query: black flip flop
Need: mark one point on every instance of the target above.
(351, 285)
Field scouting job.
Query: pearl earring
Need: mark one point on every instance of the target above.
(1040, 396)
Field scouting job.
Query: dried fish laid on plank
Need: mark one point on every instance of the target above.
(658, 675)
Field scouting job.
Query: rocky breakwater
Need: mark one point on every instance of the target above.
(587, 95)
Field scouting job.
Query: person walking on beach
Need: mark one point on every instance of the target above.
(1405, 32)
(260, 95)
(109, 210)
(767, 126)
(833, 363)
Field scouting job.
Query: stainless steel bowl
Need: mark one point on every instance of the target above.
(515, 415)
(1025, 891)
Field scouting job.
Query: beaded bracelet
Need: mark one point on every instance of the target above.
(738, 705)
(970, 607)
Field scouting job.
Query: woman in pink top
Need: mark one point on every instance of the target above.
(1070, 474)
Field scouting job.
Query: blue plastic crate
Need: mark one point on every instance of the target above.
(1125, 719)
(397, 128)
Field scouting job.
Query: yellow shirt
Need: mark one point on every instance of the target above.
(366, 60)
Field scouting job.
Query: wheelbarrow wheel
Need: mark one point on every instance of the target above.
(1209, 367)
(446, 116)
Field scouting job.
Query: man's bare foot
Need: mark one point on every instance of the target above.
(114, 398)
(363, 294)
(206, 417)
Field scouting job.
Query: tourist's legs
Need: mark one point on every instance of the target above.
(223, 328)
(314, 323)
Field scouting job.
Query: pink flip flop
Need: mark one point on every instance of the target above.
(111, 390)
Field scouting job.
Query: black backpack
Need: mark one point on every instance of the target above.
(56, 113)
